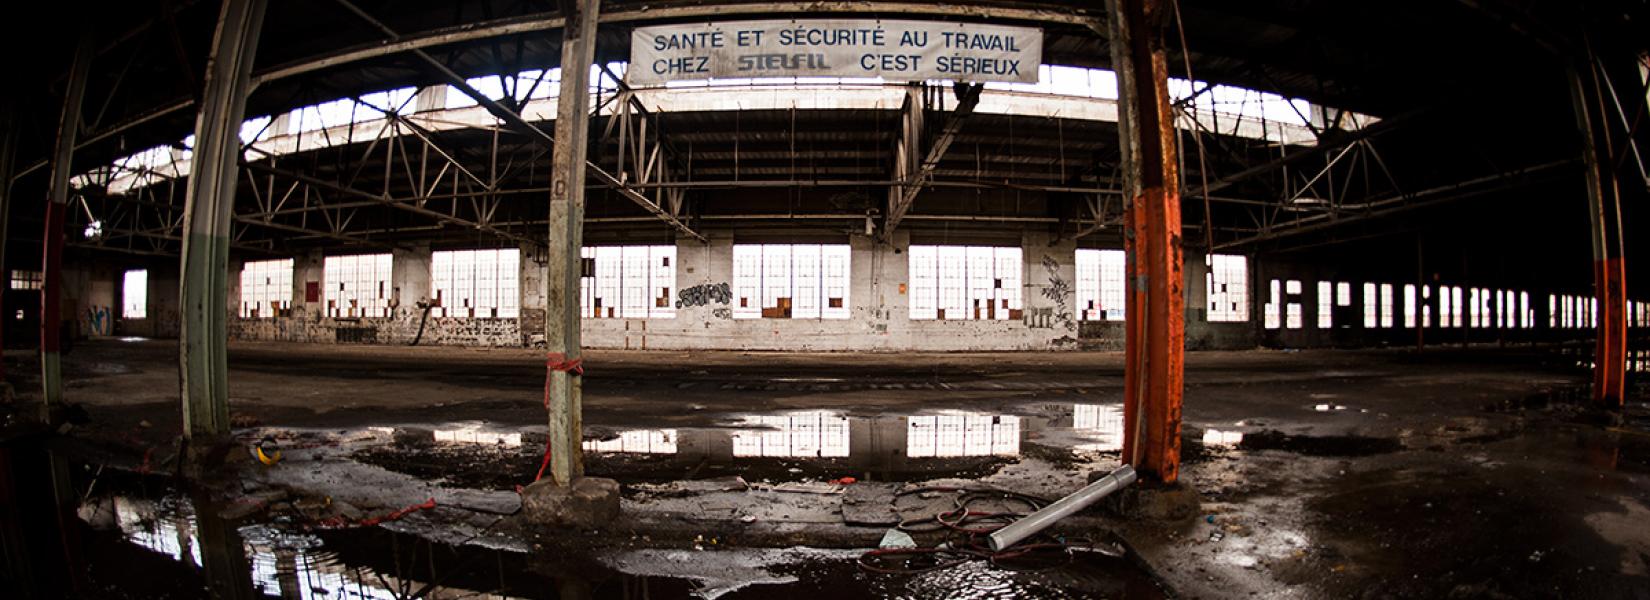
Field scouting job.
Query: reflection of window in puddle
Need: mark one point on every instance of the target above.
(820, 434)
(1216, 437)
(636, 441)
(1105, 421)
(141, 523)
(277, 558)
(945, 436)
(474, 435)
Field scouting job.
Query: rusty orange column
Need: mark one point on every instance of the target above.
(1156, 326)
(1604, 215)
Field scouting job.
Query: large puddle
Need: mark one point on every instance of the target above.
(120, 535)
(771, 447)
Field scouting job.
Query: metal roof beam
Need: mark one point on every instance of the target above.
(968, 97)
(521, 124)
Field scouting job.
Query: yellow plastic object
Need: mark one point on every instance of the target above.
(268, 459)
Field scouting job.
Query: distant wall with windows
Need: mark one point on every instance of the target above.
(926, 291)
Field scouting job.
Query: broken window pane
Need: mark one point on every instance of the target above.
(476, 283)
(357, 286)
(266, 288)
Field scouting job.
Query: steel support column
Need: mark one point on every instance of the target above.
(567, 170)
(209, 205)
(1604, 216)
(51, 288)
(8, 165)
(1155, 328)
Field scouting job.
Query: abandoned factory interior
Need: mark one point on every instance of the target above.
(1044, 299)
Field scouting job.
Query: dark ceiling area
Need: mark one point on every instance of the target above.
(1480, 125)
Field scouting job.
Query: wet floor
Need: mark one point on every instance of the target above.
(122, 535)
(1317, 475)
(767, 447)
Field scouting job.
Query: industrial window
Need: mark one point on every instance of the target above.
(1455, 306)
(815, 434)
(357, 285)
(945, 436)
(1228, 284)
(134, 294)
(1481, 305)
(1326, 309)
(1409, 305)
(790, 281)
(476, 283)
(1386, 305)
(1372, 308)
(1445, 311)
(1274, 305)
(1477, 314)
(1505, 307)
(26, 280)
(1100, 291)
(628, 282)
(1426, 306)
(1525, 312)
(964, 282)
(1343, 294)
(1292, 310)
(266, 288)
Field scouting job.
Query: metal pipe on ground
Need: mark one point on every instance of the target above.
(1064, 507)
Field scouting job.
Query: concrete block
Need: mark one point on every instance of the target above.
(1161, 503)
(589, 503)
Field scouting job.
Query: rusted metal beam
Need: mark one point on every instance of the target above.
(1609, 262)
(1155, 327)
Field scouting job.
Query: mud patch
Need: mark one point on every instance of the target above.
(1334, 445)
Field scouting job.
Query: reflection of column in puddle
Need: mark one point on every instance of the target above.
(286, 574)
(184, 531)
(223, 554)
(42, 554)
(878, 442)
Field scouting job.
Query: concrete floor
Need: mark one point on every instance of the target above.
(1321, 474)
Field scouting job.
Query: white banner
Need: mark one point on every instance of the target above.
(894, 50)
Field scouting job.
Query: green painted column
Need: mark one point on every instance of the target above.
(51, 268)
(208, 206)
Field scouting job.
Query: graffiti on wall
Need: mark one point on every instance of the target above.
(99, 321)
(703, 294)
(1059, 291)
